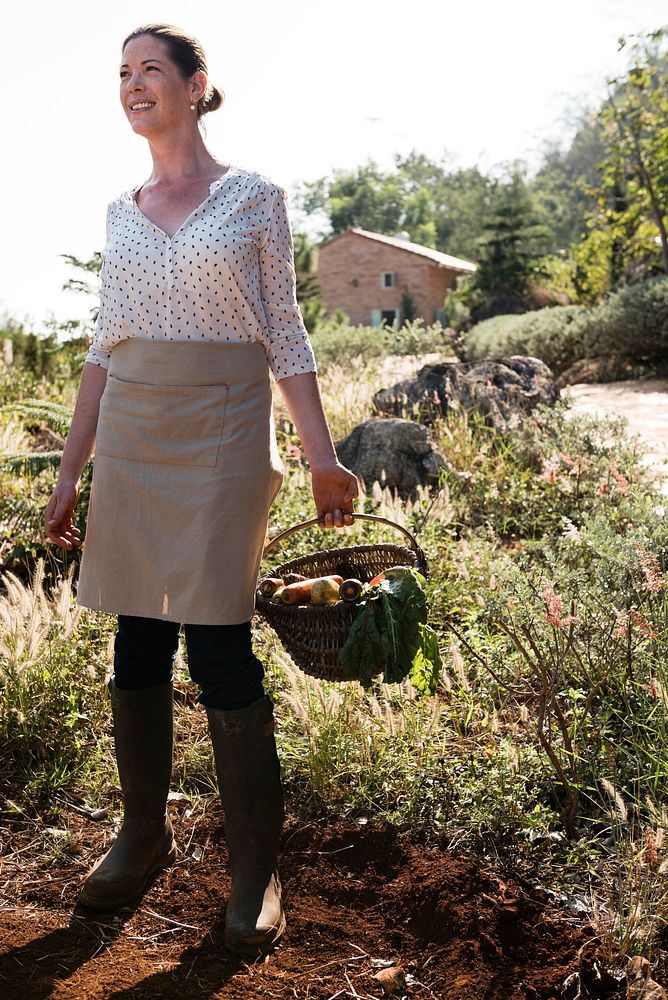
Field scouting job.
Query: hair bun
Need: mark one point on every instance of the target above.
(212, 100)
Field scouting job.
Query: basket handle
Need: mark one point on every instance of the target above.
(356, 517)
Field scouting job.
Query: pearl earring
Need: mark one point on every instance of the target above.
(192, 107)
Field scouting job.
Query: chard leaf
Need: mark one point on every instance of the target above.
(426, 666)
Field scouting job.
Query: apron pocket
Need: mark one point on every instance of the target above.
(164, 424)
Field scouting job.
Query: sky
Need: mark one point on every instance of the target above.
(310, 87)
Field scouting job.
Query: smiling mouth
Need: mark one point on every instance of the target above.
(144, 106)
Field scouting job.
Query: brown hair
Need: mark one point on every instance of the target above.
(188, 54)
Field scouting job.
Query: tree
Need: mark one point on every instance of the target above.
(512, 241)
(632, 199)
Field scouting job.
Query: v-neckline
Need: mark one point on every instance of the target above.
(213, 187)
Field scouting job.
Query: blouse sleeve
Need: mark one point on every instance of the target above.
(96, 355)
(289, 350)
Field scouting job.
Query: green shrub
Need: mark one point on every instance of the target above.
(338, 343)
(555, 335)
(632, 323)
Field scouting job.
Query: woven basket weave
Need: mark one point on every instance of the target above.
(314, 635)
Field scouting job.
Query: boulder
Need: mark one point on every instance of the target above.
(502, 390)
(396, 453)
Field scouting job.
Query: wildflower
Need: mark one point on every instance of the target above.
(437, 398)
(653, 688)
(550, 469)
(621, 629)
(649, 564)
(603, 487)
(570, 530)
(651, 853)
(296, 452)
(644, 627)
(554, 604)
(622, 483)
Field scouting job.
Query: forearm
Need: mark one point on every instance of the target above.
(81, 438)
(304, 402)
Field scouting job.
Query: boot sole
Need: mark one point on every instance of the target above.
(87, 898)
(240, 948)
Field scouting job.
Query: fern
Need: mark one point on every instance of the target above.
(57, 416)
(31, 463)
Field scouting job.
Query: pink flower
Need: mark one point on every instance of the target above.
(554, 604)
(437, 398)
(641, 623)
(296, 452)
(603, 487)
(622, 483)
(653, 688)
(651, 853)
(621, 629)
(550, 469)
(649, 564)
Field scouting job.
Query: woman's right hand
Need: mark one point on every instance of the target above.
(58, 525)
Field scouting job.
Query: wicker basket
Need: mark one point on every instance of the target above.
(314, 635)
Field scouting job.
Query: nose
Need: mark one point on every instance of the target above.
(134, 82)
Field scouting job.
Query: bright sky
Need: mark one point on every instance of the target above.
(310, 86)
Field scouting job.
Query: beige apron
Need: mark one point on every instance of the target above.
(186, 467)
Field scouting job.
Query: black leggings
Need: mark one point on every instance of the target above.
(220, 659)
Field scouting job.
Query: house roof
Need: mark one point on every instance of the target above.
(444, 259)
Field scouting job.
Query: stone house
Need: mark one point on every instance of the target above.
(368, 274)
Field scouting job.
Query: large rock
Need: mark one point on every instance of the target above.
(502, 390)
(396, 453)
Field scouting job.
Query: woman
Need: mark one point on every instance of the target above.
(197, 304)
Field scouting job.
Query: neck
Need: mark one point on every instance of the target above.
(181, 157)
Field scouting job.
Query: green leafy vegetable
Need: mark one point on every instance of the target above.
(391, 633)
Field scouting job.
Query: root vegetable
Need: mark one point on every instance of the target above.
(351, 589)
(325, 591)
(297, 593)
(277, 596)
(302, 592)
(269, 585)
(293, 578)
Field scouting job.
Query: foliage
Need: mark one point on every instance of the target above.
(628, 238)
(632, 323)
(339, 343)
(511, 241)
(52, 668)
(391, 631)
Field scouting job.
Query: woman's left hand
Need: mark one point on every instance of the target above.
(334, 489)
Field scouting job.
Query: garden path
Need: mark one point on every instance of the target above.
(644, 403)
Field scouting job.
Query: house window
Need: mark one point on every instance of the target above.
(387, 279)
(391, 317)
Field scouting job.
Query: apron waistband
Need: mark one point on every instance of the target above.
(156, 362)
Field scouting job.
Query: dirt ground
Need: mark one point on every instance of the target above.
(358, 898)
(644, 403)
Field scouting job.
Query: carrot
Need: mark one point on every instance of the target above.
(293, 578)
(300, 593)
(297, 593)
(268, 585)
(351, 589)
(377, 579)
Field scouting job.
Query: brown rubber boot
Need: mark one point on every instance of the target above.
(249, 780)
(144, 734)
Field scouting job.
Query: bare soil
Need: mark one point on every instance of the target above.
(356, 896)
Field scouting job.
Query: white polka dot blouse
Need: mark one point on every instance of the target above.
(227, 274)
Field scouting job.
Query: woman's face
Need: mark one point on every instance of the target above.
(155, 96)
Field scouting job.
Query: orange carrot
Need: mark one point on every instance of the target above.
(300, 593)
(269, 584)
(377, 579)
